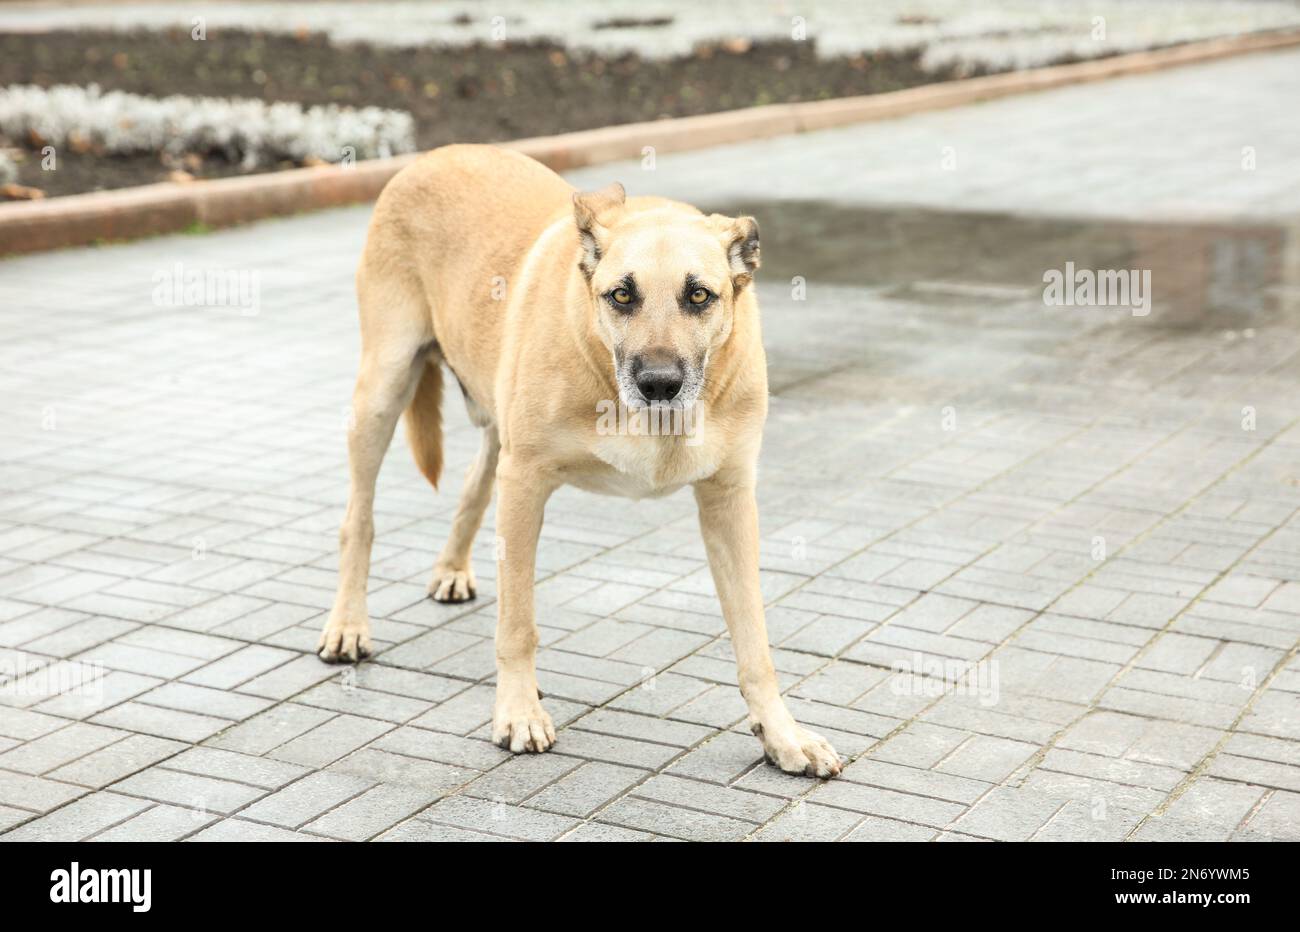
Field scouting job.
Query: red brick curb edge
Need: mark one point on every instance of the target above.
(130, 213)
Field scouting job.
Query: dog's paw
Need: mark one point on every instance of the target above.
(452, 585)
(797, 750)
(344, 641)
(521, 724)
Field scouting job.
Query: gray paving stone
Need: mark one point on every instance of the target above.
(289, 679)
(686, 824)
(642, 728)
(585, 789)
(34, 794)
(382, 767)
(460, 714)
(407, 683)
(520, 777)
(615, 750)
(1274, 713)
(720, 760)
(372, 812)
(445, 749)
(104, 693)
(364, 702)
(1096, 794)
(873, 828)
(24, 725)
(58, 748)
(660, 694)
(1084, 821)
(9, 817)
(1262, 747)
(325, 744)
(809, 822)
(160, 722)
(914, 780)
(271, 729)
(984, 758)
(242, 830)
(120, 759)
(79, 819)
(1209, 810)
(1278, 819)
(597, 831)
(160, 823)
(189, 791)
(708, 797)
(904, 807)
(306, 799)
(420, 830)
(1117, 770)
(497, 818)
(186, 697)
(242, 768)
(240, 666)
(1008, 814)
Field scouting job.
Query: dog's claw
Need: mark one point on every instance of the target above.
(522, 726)
(799, 751)
(344, 643)
(452, 585)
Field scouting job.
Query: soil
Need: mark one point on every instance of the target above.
(481, 93)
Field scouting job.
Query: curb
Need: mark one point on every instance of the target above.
(169, 207)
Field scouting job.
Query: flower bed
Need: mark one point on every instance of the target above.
(251, 133)
(469, 73)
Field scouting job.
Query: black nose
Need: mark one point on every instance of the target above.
(659, 381)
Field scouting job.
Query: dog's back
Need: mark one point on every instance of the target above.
(452, 229)
(445, 241)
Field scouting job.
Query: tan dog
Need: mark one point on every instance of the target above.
(552, 308)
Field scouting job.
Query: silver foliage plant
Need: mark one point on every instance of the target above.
(250, 132)
(962, 34)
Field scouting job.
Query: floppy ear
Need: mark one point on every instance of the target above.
(740, 239)
(592, 212)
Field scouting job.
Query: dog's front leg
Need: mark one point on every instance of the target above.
(729, 522)
(519, 722)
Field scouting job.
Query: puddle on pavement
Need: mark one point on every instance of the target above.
(1202, 276)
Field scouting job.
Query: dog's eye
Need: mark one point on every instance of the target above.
(621, 296)
(699, 296)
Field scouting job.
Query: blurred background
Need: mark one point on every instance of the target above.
(360, 79)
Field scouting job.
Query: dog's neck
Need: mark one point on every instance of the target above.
(596, 357)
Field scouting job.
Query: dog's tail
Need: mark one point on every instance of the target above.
(424, 422)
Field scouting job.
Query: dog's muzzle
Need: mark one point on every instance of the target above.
(657, 378)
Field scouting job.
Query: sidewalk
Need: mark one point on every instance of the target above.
(1171, 145)
(1097, 509)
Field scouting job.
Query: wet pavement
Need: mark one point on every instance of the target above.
(1033, 568)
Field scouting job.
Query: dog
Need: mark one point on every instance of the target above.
(550, 307)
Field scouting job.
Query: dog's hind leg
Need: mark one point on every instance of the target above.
(393, 358)
(453, 574)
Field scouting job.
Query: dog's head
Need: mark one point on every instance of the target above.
(664, 283)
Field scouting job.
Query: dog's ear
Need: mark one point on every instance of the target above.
(592, 212)
(740, 239)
